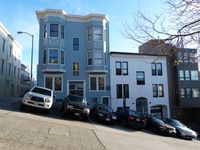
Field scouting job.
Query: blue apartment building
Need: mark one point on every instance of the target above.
(74, 55)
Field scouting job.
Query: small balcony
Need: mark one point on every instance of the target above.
(97, 69)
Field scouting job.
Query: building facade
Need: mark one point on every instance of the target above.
(10, 63)
(183, 78)
(25, 79)
(74, 55)
(139, 82)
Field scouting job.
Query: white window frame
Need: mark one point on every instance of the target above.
(97, 83)
(53, 81)
(49, 56)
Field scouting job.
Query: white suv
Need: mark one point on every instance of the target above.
(39, 97)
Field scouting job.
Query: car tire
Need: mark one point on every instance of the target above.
(124, 123)
(22, 106)
(46, 112)
(85, 119)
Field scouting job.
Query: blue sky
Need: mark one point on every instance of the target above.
(19, 15)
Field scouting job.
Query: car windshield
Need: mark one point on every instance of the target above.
(178, 123)
(41, 91)
(77, 99)
(105, 108)
(131, 112)
(157, 120)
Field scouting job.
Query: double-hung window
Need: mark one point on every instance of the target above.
(122, 91)
(45, 31)
(158, 90)
(97, 83)
(53, 30)
(140, 77)
(53, 56)
(53, 82)
(75, 69)
(75, 44)
(156, 69)
(121, 67)
(62, 32)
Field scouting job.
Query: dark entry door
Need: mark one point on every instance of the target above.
(141, 105)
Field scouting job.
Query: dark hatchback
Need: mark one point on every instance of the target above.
(103, 113)
(130, 118)
(157, 125)
(75, 106)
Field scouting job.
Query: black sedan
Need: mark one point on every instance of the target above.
(157, 125)
(75, 106)
(181, 130)
(103, 113)
(130, 118)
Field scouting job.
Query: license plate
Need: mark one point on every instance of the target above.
(107, 119)
(77, 114)
(137, 119)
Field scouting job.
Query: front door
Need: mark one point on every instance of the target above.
(76, 88)
(141, 105)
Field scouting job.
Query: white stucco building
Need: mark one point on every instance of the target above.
(140, 81)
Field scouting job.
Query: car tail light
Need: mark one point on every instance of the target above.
(130, 117)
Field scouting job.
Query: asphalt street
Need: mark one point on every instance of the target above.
(32, 130)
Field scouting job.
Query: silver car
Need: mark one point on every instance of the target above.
(182, 130)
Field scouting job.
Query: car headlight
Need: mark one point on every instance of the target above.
(114, 117)
(27, 96)
(69, 106)
(47, 100)
(87, 110)
(100, 114)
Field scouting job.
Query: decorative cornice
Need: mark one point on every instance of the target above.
(70, 17)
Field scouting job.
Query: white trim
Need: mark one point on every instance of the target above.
(84, 86)
(97, 81)
(109, 102)
(53, 81)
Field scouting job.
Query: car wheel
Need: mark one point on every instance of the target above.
(63, 113)
(22, 106)
(85, 119)
(46, 112)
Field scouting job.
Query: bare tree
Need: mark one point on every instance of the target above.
(179, 25)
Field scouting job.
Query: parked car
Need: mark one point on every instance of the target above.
(130, 118)
(157, 125)
(75, 106)
(38, 97)
(181, 130)
(103, 113)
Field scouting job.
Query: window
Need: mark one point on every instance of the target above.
(182, 93)
(180, 57)
(140, 77)
(44, 55)
(93, 82)
(187, 75)
(155, 90)
(75, 44)
(194, 75)
(195, 92)
(10, 50)
(160, 90)
(3, 46)
(121, 68)
(153, 69)
(18, 73)
(89, 34)
(53, 82)
(185, 57)
(62, 57)
(159, 69)
(53, 30)
(62, 32)
(156, 69)
(122, 90)
(181, 75)
(97, 83)
(76, 88)
(45, 31)
(98, 60)
(188, 92)
(192, 57)
(48, 82)
(97, 34)
(75, 69)
(53, 56)
(125, 68)
(89, 58)
(105, 100)
(9, 69)
(58, 84)
(2, 66)
(14, 71)
(118, 68)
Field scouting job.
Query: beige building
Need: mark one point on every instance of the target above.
(10, 63)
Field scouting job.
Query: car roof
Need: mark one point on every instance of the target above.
(42, 88)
